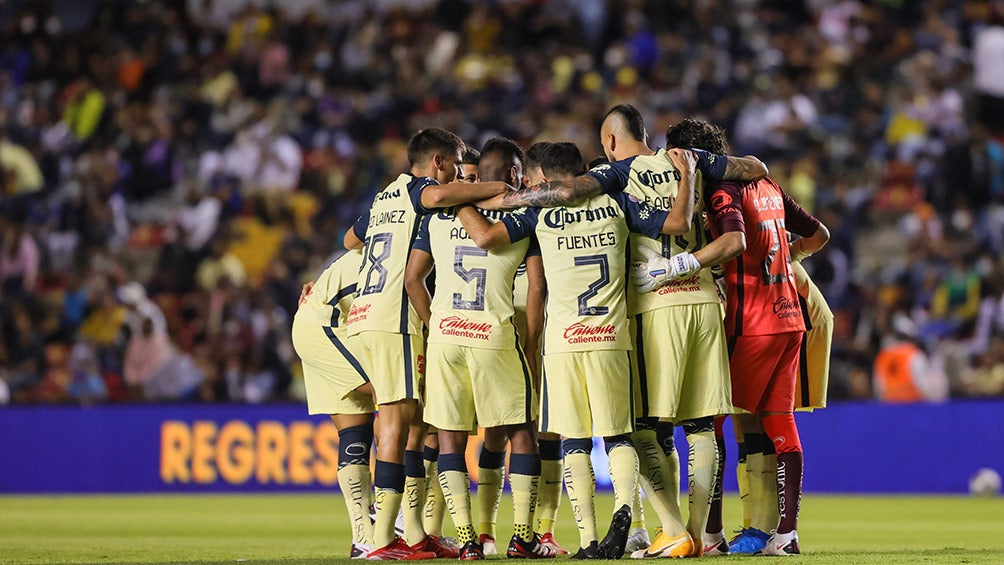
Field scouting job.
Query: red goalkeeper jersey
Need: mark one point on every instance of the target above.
(762, 298)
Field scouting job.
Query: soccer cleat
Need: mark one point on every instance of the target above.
(399, 550)
(612, 546)
(591, 552)
(637, 539)
(488, 543)
(533, 549)
(360, 550)
(548, 540)
(665, 546)
(431, 543)
(715, 544)
(782, 544)
(748, 542)
(472, 551)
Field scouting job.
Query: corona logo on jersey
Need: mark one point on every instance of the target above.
(558, 218)
(653, 179)
(297, 453)
(462, 327)
(581, 333)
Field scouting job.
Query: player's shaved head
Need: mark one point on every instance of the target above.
(501, 160)
(626, 120)
(697, 134)
(432, 141)
(562, 160)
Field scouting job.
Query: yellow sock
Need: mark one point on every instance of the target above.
(657, 478)
(768, 483)
(754, 470)
(702, 466)
(354, 482)
(456, 486)
(637, 511)
(414, 509)
(490, 482)
(623, 474)
(524, 501)
(744, 493)
(387, 503)
(435, 509)
(581, 486)
(548, 495)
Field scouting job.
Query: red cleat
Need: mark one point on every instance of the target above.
(399, 550)
(442, 551)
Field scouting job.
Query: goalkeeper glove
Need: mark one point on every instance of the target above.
(659, 270)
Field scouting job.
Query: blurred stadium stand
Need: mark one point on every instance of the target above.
(173, 171)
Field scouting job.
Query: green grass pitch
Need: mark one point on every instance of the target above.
(313, 528)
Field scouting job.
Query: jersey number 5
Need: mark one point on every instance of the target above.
(476, 274)
(594, 287)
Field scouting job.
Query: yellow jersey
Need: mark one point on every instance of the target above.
(329, 301)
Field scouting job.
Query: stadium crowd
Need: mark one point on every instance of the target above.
(172, 172)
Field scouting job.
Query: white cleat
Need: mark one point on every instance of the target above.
(715, 544)
(637, 539)
(782, 544)
(488, 543)
(360, 550)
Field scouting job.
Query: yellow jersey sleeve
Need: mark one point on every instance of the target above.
(329, 301)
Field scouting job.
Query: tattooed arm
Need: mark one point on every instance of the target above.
(746, 169)
(550, 194)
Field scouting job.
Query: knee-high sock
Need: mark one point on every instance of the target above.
(657, 479)
(664, 433)
(715, 524)
(491, 475)
(549, 487)
(787, 444)
(388, 483)
(637, 508)
(581, 486)
(524, 474)
(354, 478)
(435, 509)
(702, 466)
(742, 478)
(456, 485)
(414, 496)
(623, 463)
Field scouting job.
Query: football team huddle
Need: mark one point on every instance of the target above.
(549, 303)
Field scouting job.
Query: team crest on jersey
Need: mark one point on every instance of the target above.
(581, 333)
(462, 327)
(720, 199)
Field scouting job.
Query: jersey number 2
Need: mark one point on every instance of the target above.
(594, 287)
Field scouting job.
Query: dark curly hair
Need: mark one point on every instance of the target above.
(697, 134)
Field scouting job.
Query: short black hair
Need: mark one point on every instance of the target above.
(471, 156)
(633, 122)
(598, 161)
(697, 134)
(430, 141)
(536, 151)
(504, 152)
(562, 158)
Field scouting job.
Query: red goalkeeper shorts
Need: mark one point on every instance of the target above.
(764, 369)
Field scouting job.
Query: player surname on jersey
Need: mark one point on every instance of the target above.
(605, 239)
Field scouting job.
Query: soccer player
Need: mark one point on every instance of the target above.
(587, 368)
(435, 505)
(390, 330)
(764, 322)
(477, 372)
(337, 385)
(549, 490)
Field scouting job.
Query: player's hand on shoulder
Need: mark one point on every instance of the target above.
(684, 160)
(658, 270)
(305, 292)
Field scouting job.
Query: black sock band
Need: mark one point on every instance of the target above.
(550, 449)
(389, 476)
(414, 466)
